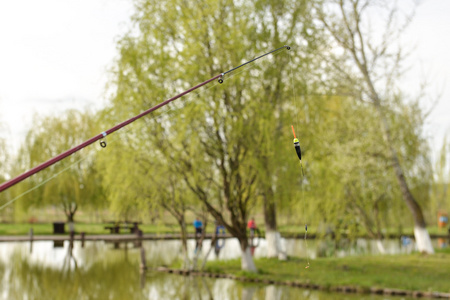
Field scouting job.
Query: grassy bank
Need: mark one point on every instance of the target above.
(41, 228)
(408, 272)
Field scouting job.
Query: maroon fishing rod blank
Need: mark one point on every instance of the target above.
(100, 136)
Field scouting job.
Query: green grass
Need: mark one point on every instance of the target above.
(409, 272)
(299, 229)
(24, 228)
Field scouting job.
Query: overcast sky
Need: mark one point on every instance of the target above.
(54, 55)
(430, 32)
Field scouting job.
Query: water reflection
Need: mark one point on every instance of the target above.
(100, 270)
(164, 252)
(316, 248)
(36, 280)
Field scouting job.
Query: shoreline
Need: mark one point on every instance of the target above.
(340, 289)
(162, 236)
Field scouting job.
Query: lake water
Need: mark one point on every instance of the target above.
(103, 270)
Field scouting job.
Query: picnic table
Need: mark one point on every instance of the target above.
(117, 226)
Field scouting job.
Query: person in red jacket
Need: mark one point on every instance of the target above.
(252, 226)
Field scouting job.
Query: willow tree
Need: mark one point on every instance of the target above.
(349, 177)
(369, 64)
(175, 45)
(440, 190)
(283, 83)
(139, 181)
(73, 182)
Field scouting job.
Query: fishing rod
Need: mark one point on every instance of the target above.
(102, 135)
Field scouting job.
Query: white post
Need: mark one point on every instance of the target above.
(423, 240)
(380, 246)
(274, 245)
(247, 263)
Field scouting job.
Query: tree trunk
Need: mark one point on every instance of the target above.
(423, 240)
(70, 210)
(380, 246)
(212, 245)
(273, 237)
(70, 222)
(247, 263)
(379, 236)
(270, 221)
(182, 224)
(199, 244)
(421, 234)
(353, 41)
(275, 245)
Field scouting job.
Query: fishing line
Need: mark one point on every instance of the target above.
(111, 140)
(298, 150)
(251, 66)
(256, 58)
(101, 136)
(189, 98)
(41, 184)
(89, 154)
(172, 106)
(306, 226)
(297, 107)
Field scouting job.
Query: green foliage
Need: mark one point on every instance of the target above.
(350, 171)
(440, 196)
(224, 141)
(380, 153)
(73, 182)
(231, 145)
